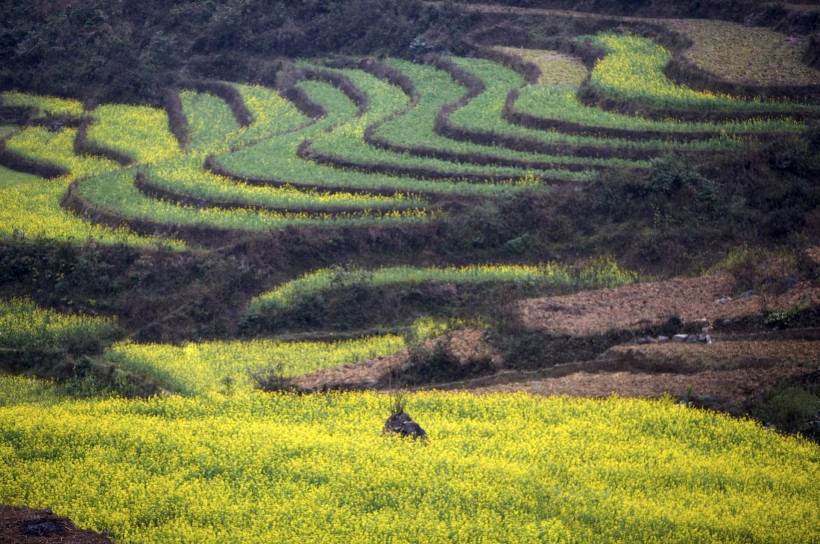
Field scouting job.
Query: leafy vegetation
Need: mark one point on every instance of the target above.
(415, 131)
(32, 209)
(45, 105)
(325, 205)
(186, 178)
(556, 68)
(561, 104)
(484, 115)
(275, 160)
(209, 367)
(604, 273)
(272, 114)
(28, 327)
(138, 132)
(210, 121)
(633, 68)
(347, 142)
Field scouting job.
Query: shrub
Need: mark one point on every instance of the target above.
(790, 409)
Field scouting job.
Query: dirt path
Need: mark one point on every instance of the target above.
(27, 526)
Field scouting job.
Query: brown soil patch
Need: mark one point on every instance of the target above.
(709, 297)
(733, 391)
(465, 344)
(27, 526)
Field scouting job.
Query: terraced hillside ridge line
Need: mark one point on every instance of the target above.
(201, 189)
(177, 122)
(45, 107)
(347, 153)
(226, 92)
(114, 199)
(33, 209)
(22, 163)
(414, 132)
(546, 106)
(211, 122)
(481, 121)
(632, 73)
(557, 107)
(141, 133)
(344, 147)
(82, 146)
(704, 44)
(551, 177)
(341, 82)
(300, 99)
(554, 67)
(603, 272)
(271, 162)
(273, 114)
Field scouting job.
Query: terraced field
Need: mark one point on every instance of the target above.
(246, 215)
(389, 140)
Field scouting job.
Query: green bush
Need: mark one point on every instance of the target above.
(791, 409)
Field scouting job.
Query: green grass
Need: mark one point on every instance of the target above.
(7, 131)
(556, 68)
(272, 114)
(416, 128)
(26, 326)
(185, 177)
(212, 118)
(115, 193)
(9, 178)
(633, 69)
(347, 142)
(57, 148)
(31, 207)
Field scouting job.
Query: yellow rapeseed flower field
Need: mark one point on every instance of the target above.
(256, 467)
(45, 105)
(140, 132)
(197, 368)
(32, 208)
(24, 325)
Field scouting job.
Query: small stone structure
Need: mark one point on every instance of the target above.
(402, 424)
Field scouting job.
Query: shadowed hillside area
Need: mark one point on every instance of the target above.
(237, 236)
